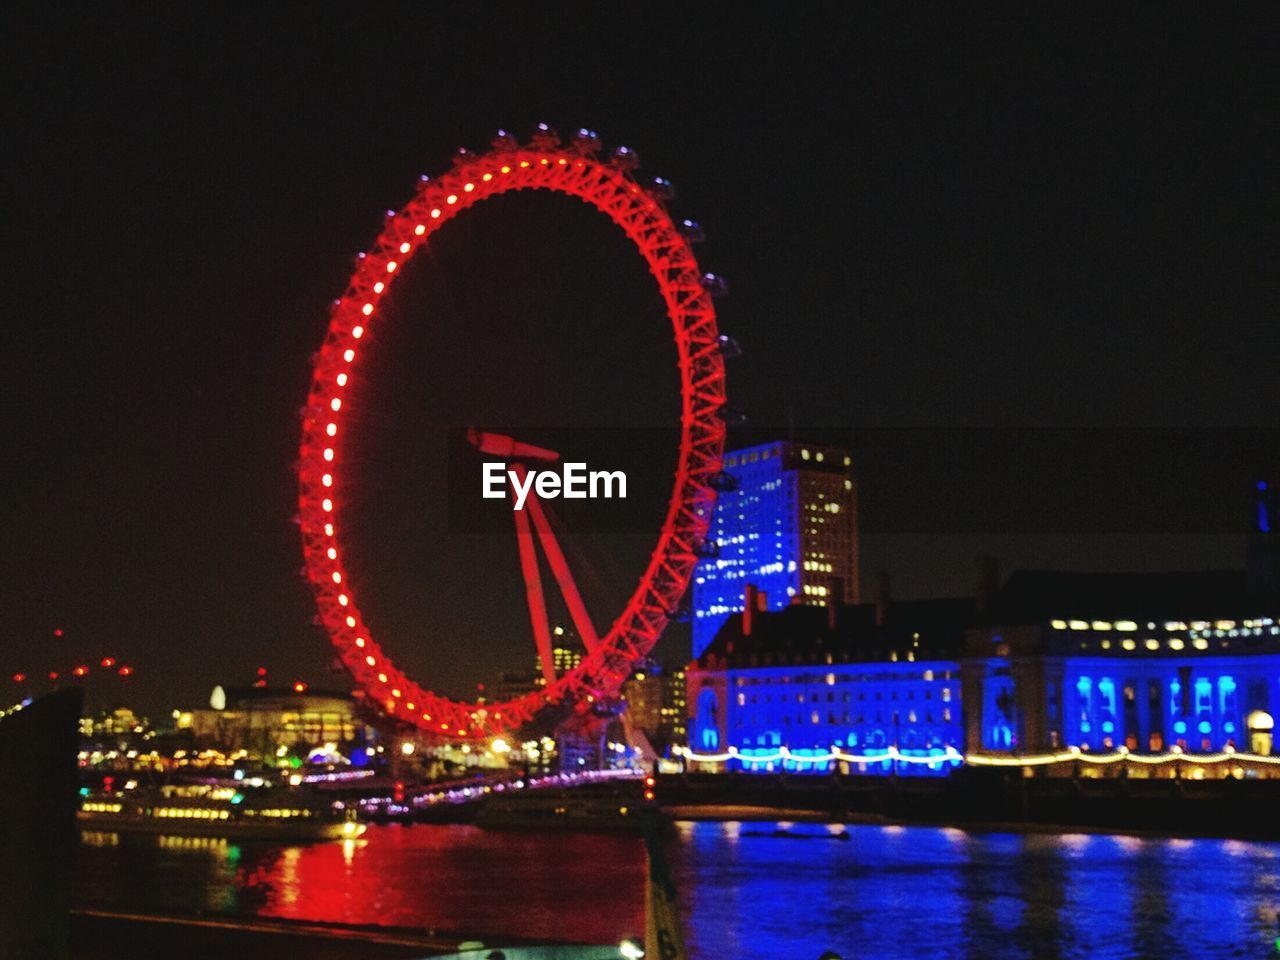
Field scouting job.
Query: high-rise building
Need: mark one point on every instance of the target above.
(788, 529)
(567, 652)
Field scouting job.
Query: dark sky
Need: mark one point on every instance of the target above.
(928, 219)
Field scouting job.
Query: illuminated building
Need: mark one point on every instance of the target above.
(1144, 663)
(656, 700)
(675, 704)
(776, 688)
(1063, 674)
(789, 528)
(262, 719)
(567, 652)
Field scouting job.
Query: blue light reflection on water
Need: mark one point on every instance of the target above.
(892, 892)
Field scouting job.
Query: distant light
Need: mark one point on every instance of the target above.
(108, 662)
(299, 687)
(407, 748)
(125, 671)
(630, 950)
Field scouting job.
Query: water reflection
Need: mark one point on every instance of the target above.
(751, 891)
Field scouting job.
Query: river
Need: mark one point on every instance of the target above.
(750, 891)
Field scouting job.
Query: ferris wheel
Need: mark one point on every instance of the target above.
(576, 169)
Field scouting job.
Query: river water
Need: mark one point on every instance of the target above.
(750, 891)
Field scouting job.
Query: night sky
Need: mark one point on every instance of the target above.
(1050, 232)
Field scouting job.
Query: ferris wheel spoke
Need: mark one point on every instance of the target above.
(533, 588)
(560, 567)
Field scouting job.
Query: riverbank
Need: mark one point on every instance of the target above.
(986, 800)
(111, 935)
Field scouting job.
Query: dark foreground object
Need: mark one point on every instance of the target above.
(99, 935)
(1244, 809)
(38, 747)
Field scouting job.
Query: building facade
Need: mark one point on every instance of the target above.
(263, 719)
(877, 684)
(789, 528)
(1150, 664)
(1063, 674)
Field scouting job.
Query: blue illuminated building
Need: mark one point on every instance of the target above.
(1143, 669)
(862, 678)
(788, 528)
(1147, 663)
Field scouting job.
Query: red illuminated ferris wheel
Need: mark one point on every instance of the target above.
(574, 170)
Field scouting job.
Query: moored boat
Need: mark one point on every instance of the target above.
(215, 810)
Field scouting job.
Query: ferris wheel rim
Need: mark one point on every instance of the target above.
(608, 186)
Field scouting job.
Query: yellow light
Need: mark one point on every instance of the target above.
(451, 198)
(391, 266)
(468, 187)
(419, 229)
(435, 214)
(357, 332)
(407, 748)
(367, 309)
(404, 247)
(500, 746)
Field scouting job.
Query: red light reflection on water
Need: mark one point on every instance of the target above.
(560, 886)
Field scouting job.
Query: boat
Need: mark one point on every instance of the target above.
(220, 810)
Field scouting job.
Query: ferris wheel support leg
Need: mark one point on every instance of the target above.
(560, 567)
(533, 587)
